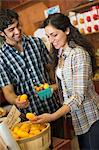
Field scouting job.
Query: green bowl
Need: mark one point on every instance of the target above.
(44, 94)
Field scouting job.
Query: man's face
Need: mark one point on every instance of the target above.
(12, 34)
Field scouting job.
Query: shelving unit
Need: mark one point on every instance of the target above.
(93, 36)
(84, 6)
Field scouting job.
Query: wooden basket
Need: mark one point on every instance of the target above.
(41, 141)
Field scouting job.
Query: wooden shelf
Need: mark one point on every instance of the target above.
(83, 8)
(26, 3)
(77, 9)
(92, 33)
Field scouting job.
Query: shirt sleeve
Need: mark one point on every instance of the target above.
(4, 77)
(80, 70)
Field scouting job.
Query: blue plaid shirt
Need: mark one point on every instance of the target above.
(26, 69)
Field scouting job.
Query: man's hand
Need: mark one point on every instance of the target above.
(12, 98)
(51, 72)
(21, 104)
(54, 87)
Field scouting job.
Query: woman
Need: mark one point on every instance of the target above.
(75, 67)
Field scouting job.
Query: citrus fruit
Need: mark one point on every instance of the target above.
(46, 85)
(23, 97)
(30, 116)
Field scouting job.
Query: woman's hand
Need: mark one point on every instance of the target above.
(21, 104)
(44, 118)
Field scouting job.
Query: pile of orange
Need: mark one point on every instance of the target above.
(27, 130)
(23, 97)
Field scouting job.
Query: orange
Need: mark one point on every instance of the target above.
(25, 127)
(35, 127)
(41, 86)
(35, 132)
(31, 135)
(22, 134)
(15, 135)
(37, 89)
(46, 85)
(23, 97)
(30, 116)
(15, 130)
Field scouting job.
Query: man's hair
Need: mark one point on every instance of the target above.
(7, 17)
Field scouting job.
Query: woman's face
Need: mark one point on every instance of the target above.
(56, 37)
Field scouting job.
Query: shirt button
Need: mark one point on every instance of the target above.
(29, 70)
(16, 51)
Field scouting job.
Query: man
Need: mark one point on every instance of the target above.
(24, 63)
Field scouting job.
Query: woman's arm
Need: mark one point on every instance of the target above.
(46, 117)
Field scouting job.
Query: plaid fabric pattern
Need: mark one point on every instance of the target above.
(78, 89)
(26, 69)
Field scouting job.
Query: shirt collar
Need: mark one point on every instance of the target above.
(6, 46)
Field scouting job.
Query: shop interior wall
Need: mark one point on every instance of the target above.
(32, 12)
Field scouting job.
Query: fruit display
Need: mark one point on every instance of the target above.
(88, 20)
(23, 97)
(27, 130)
(44, 91)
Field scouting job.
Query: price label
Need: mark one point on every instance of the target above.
(12, 117)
